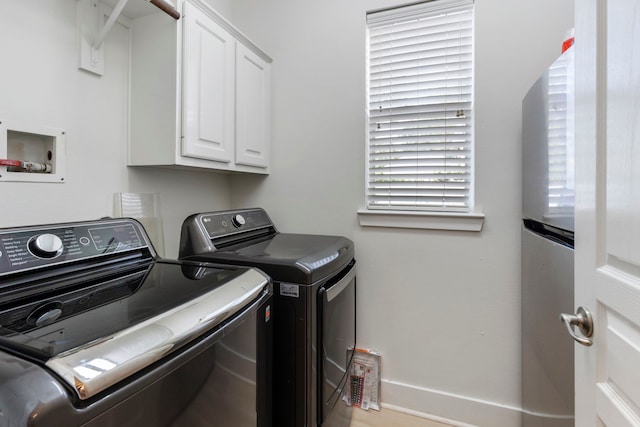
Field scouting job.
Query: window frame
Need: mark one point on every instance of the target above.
(468, 219)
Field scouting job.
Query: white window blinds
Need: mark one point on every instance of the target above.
(420, 107)
(560, 136)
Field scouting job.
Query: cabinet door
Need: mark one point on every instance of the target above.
(253, 82)
(208, 88)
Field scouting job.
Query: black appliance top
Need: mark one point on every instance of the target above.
(248, 237)
(93, 303)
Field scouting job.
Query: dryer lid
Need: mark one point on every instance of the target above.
(293, 258)
(248, 237)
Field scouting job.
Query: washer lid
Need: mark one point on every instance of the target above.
(95, 335)
(294, 258)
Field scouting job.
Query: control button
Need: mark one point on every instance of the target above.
(84, 241)
(48, 317)
(45, 314)
(46, 246)
(238, 220)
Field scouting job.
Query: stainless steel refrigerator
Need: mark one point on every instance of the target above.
(547, 247)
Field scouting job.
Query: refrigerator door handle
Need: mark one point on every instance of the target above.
(584, 321)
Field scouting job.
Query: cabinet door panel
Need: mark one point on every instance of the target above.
(252, 108)
(208, 85)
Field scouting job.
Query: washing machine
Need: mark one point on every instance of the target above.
(96, 330)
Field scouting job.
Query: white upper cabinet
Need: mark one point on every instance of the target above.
(200, 94)
(208, 84)
(252, 108)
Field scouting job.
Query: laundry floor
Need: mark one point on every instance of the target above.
(386, 418)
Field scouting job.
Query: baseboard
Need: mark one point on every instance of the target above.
(457, 410)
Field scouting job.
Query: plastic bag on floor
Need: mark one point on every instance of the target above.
(364, 380)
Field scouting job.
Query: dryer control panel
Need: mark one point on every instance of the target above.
(207, 232)
(224, 223)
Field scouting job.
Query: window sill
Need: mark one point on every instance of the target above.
(421, 220)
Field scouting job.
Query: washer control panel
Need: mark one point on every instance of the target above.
(27, 248)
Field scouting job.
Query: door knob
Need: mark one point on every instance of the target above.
(584, 321)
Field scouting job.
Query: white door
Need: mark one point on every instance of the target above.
(607, 279)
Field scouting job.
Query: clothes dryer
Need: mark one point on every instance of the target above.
(314, 309)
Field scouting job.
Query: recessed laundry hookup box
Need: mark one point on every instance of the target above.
(31, 153)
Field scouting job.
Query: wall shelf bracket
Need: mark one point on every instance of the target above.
(97, 43)
(92, 31)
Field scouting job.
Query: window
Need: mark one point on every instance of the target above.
(420, 103)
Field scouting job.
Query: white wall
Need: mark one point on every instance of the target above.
(443, 308)
(40, 84)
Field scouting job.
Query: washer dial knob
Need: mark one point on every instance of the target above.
(238, 221)
(46, 246)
